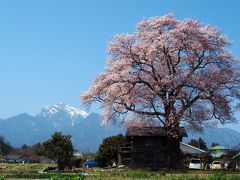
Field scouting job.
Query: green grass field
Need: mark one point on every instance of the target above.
(6, 168)
(162, 175)
(34, 171)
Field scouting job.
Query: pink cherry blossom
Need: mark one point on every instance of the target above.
(176, 72)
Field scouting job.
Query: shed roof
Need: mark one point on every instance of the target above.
(151, 131)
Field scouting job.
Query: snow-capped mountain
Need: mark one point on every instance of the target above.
(86, 129)
(49, 111)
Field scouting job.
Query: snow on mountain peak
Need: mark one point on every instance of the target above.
(61, 107)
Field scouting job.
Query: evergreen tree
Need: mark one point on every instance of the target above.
(60, 149)
(5, 147)
(198, 143)
(214, 144)
(108, 150)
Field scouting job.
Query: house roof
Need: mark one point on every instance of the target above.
(236, 156)
(151, 131)
(13, 156)
(188, 149)
(218, 148)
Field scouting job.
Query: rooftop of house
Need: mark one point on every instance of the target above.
(236, 156)
(218, 148)
(151, 131)
(13, 156)
(186, 148)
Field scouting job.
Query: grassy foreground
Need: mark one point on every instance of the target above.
(34, 171)
(162, 175)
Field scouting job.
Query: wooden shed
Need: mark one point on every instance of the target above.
(146, 147)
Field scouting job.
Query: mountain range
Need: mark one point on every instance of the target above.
(223, 136)
(85, 128)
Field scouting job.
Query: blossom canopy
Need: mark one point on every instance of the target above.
(177, 72)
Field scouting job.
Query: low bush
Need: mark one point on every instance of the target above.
(218, 175)
(68, 177)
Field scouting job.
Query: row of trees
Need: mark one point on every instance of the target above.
(58, 148)
(200, 143)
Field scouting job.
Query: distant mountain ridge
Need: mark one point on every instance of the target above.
(224, 136)
(86, 129)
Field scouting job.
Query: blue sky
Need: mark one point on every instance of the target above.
(51, 51)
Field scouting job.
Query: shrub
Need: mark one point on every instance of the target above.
(108, 150)
(138, 175)
(218, 175)
(68, 177)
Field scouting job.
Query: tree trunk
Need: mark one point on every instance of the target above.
(61, 165)
(172, 128)
(173, 152)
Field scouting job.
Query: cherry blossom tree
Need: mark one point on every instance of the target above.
(175, 72)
